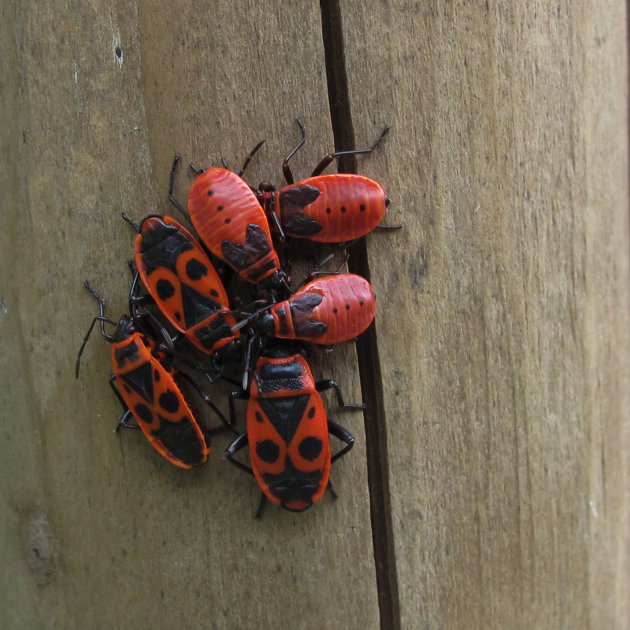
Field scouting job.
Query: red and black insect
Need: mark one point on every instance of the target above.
(325, 311)
(287, 430)
(326, 208)
(180, 277)
(232, 224)
(146, 387)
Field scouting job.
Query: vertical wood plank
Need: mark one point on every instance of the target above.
(99, 532)
(504, 333)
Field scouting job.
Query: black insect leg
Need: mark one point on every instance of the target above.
(207, 400)
(384, 226)
(330, 487)
(136, 300)
(249, 157)
(321, 386)
(277, 231)
(345, 436)
(242, 395)
(332, 156)
(237, 445)
(261, 505)
(319, 272)
(131, 222)
(341, 434)
(122, 423)
(171, 198)
(286, 169)
(99, 318)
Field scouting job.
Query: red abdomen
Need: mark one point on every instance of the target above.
(331, 208)
(231, 222)
(327, 310)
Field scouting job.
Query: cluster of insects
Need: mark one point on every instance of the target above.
(181, 318)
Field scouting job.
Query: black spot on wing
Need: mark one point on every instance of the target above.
(165, 289)
(268, 451)
(195, 269)
(169, 401)
(142, 412)
(310, 448)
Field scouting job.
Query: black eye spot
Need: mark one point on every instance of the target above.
(335, 310)
(361, 302)
(165, 289)
(210, 192)
(343, 208)
(362, 207)
(156, 376)
(311, 412)
(219, 208)
(178, 316)
(259, 418)
(347, 307)
(268, 451)
(142, 412)
(228, 220)
(214, 293)
(169, 402)
(127, 389)
(195, 269)
(328, 210)
(310, 448)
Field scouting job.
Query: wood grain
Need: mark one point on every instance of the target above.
(504, 348)
(132, 542)
(502, 326)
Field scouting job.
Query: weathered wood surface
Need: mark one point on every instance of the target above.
(502, 330)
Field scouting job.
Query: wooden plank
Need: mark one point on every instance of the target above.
(504, 341)
(98, 531)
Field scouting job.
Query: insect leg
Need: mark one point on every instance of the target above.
(207, 400)
(237, 445)
(261, 505)
(171, 183)
(249, 157)
(286, 169)
(332, 156)
(341, 434)
(123, 422)
(321, 386)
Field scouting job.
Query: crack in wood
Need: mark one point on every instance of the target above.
(367, 347)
